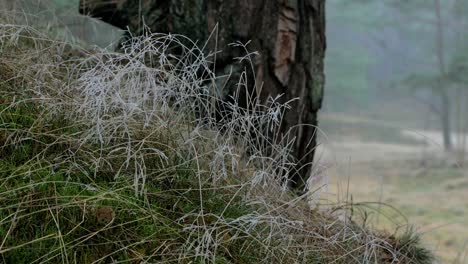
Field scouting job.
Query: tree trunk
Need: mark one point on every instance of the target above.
(288, 34)
(446, 126)
(445, 100)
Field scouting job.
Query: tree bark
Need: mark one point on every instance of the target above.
(288, 34)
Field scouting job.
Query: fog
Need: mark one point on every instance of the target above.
(397, 82)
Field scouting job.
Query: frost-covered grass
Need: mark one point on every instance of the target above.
(123, 157)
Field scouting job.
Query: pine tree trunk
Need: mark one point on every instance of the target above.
(288, 34)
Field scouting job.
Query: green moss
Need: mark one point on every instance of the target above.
(50, 211)
(55, 212)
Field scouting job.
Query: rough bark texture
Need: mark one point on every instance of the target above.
(288, 34)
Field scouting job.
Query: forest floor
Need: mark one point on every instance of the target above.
(377, 162)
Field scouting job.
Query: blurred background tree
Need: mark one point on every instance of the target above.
(395, 51)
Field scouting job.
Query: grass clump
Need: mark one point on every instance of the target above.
(120, 157)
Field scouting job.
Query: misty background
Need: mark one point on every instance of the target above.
(394, 119)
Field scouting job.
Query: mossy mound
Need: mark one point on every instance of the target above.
(106, 160)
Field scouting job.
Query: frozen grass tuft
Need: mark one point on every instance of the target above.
(121, 157)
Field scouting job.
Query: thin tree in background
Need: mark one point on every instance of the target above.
(442, 91)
